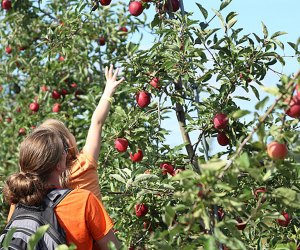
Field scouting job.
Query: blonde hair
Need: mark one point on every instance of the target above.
(40, 153)
(61, 129)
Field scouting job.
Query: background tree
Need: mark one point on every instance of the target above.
(163, 196)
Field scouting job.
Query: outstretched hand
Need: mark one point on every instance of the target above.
(111, 80)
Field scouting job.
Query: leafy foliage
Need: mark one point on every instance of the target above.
(202, 71)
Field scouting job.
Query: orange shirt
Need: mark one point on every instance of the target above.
(84, 218)
(84, 174)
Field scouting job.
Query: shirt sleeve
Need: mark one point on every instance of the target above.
(97, 219)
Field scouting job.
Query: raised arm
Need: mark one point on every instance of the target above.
(93, 140)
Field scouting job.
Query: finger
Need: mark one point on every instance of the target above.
(121, 80)
(106, 72)
(116, 73)
(110, 71)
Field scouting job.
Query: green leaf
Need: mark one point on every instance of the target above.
(244, 161)
(8, 237)
(34, 239)
(210, 243)
(231, 23)
(169, 215)
(203, 10)
(255, 91)
(213, 165)
(224, 4)
(293, 45)
(271, 90)
(118, 178)
(278, 33)
(240, 113)
(288, 196)
(265, 30)
(218, 14)
(261, 104)
(144, 177)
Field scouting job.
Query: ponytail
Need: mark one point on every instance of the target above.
(26, 188)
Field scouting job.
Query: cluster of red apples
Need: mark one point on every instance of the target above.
(220, 122)
(137, 7)
(277, 150)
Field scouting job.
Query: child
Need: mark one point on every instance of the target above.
(82, 166)
(42, 159)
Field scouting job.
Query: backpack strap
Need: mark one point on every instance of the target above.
(55, 196)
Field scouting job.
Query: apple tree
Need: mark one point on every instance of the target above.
(243, 195)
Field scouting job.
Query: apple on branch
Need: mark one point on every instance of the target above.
(143, 99)
(105, 2)
(135, 8)
(141, 210)
(121, 144)
(277, 151)
(6, 5)
(222, 139)
(56, 108)
(220, 121)
(55, 94)
(34, 106)
(286, 221)
(137, 157)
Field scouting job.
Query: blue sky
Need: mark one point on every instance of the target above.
(277, 15)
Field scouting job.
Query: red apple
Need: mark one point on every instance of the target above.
(286, 221)
(141, 210)
(167, 168)
(44, 88)
(22, 48)
(222, 138)
(61, 58)
(63, 92)
(137, 157)
(260, 192)
(8, 119)
(6, 4)
(240, 224)
(101, 41)
(123, 29)
(135, 8)
(8, 49)
(34, 106)
(277, 151)
(121, 144)
(220, 121)
(55, 94)
(73, 85)
(175, 5)
(294, 107)
(155, 82)
(18, 109)
(143, 99)
(105, 2)
(22, 131)
(56, 108)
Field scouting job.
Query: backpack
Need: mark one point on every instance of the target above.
(27, 219)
